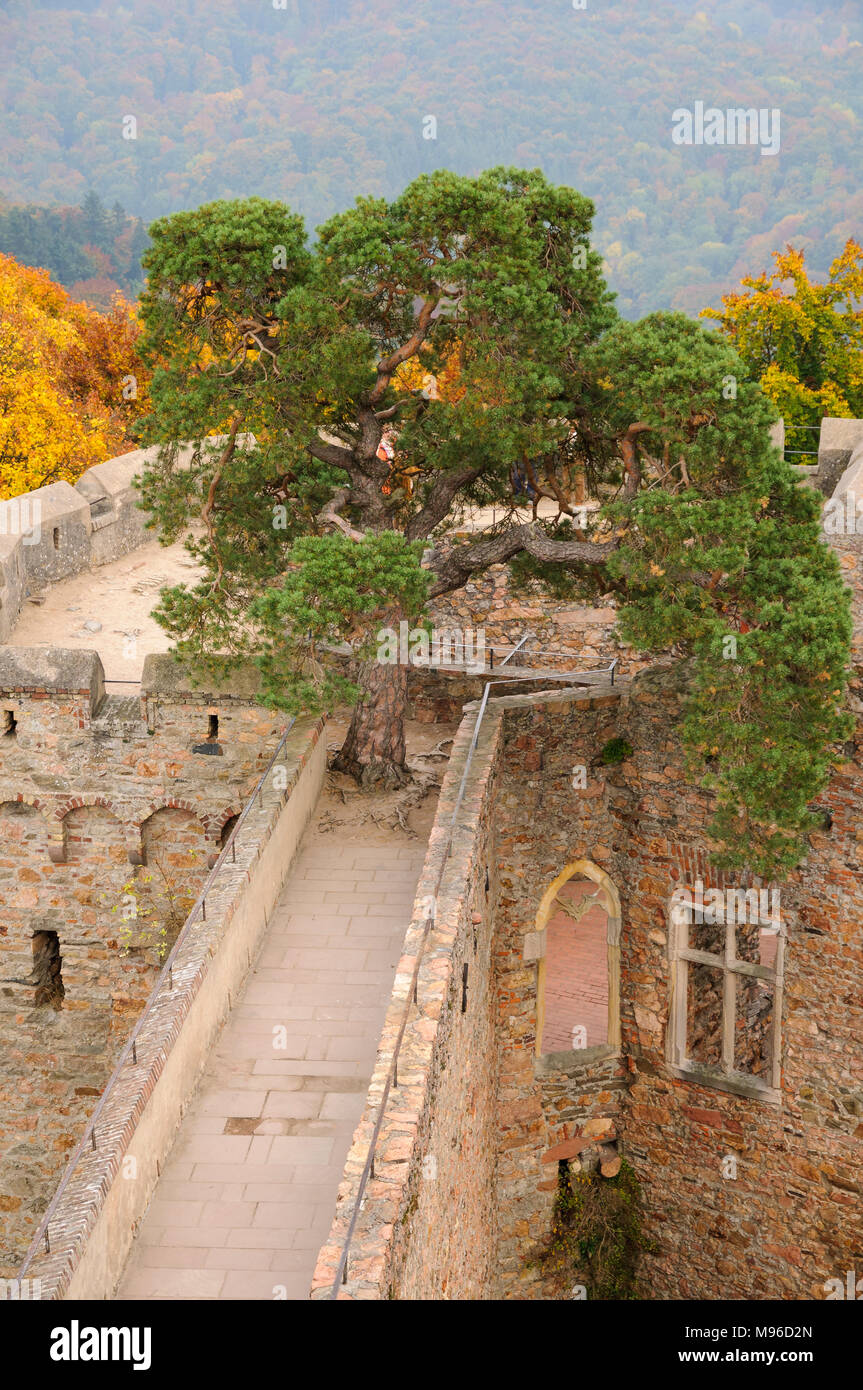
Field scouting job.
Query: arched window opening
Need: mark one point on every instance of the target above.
(577, 946)
(225, 833)
(576, 970)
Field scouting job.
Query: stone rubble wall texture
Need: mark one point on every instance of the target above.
(569, 635)
(110, 1187)
(91, 785)
(545, 825)
(792, 1218)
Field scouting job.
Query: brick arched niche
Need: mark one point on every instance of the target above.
(536, 948)
(174, 854)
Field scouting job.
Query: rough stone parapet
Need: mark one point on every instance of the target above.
(122, 1169)
(60, 530)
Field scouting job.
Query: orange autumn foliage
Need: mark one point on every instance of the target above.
(71, 383)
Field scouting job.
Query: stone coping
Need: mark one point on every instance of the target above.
(407, 1117)
(57, 671)
(97, 1171)
(51, 671)
(163, 675)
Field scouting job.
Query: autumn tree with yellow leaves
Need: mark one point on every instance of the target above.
(802, 340)
(71, 384)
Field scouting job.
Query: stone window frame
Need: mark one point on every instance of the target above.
(535, 950)
(680, 956)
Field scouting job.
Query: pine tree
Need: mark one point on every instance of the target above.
(309, 536)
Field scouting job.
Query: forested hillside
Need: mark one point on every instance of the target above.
(92, 250)
(322, 100)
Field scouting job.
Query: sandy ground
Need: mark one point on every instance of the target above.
(119, 596)
(377, 818)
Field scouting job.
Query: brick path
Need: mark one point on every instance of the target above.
(249, 1190)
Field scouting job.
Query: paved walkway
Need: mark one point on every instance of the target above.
(249, 1190)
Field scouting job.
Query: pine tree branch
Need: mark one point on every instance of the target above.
(439, 501)
(454, 568)
(328, 516)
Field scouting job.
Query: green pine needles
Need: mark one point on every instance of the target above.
(339, 467)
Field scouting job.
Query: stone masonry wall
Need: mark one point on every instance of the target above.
(782, 1219)
(545, 825)
(110, 808)
(108, 1190)
(567, 632)
(793, 1216)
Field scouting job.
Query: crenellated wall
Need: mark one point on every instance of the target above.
(110, 809)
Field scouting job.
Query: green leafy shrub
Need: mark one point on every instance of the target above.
(596, 1235)
(615, 751)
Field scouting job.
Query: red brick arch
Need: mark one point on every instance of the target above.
(218, 821)
(173, 803)
(43, 807)
(21, 798)
(79, 803)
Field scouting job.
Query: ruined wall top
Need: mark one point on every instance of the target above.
(60, 530)
(52, 671)
(166, 677)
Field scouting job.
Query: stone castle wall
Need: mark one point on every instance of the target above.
(425, 1230)
(94, 790)
(60, 530)
(110, 808)
(786, 1214)
(106, 1192)
(793, 1217)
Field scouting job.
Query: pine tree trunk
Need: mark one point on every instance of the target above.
(374, 749)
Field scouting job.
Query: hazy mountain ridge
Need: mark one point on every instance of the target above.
(326, 99)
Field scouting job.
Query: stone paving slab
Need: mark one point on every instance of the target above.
(249, 1191)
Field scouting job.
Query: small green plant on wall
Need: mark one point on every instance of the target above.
(596, 1236)
(151, 916)
(615, 751)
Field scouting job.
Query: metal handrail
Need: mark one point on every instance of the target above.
(802, 453)
(524, 639)
(426, 665)
(166, 973)
(341, 1276)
